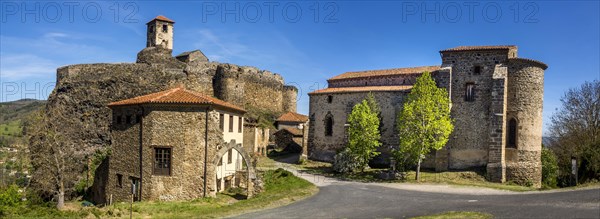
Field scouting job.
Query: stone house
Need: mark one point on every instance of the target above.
(164, 146)
(256, 138)
(292, 132)
(496, 103)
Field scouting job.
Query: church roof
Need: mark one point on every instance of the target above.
(292, 117)
(361, 89)
(539, 63)
(473, 48)
(385, 72)
(177, 95)
(161, 18)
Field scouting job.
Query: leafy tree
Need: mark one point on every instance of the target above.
(575, 132)
(56, 161)
(424, 122)
(549, 168)
(363, 134)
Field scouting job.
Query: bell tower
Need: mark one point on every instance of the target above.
(160, 32)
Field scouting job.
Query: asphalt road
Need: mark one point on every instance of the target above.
(338, 199)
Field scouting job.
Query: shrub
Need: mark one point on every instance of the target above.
(549, 168)
(10, 196)
(344, 162)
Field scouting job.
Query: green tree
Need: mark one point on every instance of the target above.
(424, 122)
(575, 132)
(549, 168)
(363, 133)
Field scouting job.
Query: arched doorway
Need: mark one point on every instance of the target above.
(251, 173)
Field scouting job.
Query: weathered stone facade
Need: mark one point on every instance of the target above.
(489, 86)
(83, 90)
(171, 146)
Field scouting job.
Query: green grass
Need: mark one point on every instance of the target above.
(12, 128)
(457, 215)
(458, 178)
(281, 188)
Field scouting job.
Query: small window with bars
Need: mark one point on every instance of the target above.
(162, 161)
(470, 92)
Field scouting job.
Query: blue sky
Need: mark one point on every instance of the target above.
(305, 41)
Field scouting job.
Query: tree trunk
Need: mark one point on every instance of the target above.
(418, 175)
(61, 197)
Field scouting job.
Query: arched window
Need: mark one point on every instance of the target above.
(329, 125)
(511, 139)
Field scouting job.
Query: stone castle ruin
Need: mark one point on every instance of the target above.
(496, 103)
(83, 91)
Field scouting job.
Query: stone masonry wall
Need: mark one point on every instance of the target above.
(323, 148)
(127, 161)
(468, 144)
(525, 104)
(83, 91)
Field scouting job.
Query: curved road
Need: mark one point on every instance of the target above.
(340, 199)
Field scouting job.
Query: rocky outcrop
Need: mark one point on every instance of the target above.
(83, 91)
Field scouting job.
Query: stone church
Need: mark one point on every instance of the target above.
(496, 103)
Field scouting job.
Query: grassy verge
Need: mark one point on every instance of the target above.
(458, 178)
(281, 188)
(457, 215)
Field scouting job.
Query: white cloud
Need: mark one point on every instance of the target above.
(22, 66)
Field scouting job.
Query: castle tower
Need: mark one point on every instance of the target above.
(160, 32)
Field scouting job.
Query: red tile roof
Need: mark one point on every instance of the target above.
(177, 95)
(361, 89)
(292, 117)
(472, 48)
(385, 72)
(162, 18)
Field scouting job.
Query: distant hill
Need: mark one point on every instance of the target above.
(18, 110)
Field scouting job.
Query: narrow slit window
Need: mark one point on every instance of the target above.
(119, 180)
(222, 121)
(470, 92)
(230, 156)
(240, 124)
(230, 123)
(511, 141)
(329, 126)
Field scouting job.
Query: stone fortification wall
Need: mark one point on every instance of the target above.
(83, 91)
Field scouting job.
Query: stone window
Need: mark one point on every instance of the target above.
(119, 181)
(329, 99)
(470, 92)
(230, 123)
(165, 28)
(162, 161)
(128, 119)
(240, 124)
(230, 156)
(511, 139)
(222, 121)
(119, 119)
(329, 125)
(477, 70)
